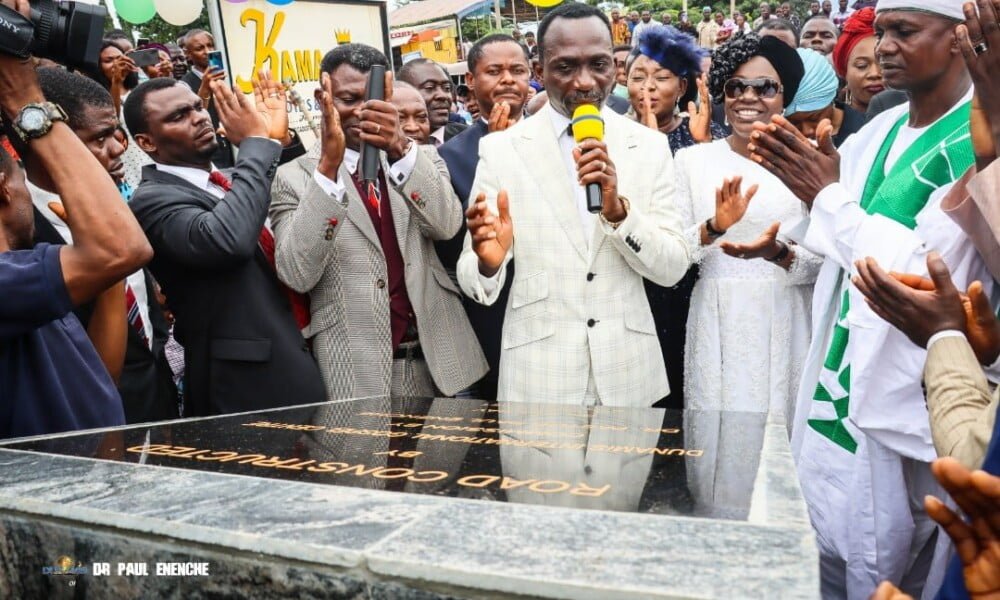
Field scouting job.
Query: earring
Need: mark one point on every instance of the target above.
(848, 98)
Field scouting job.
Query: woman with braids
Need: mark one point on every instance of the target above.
(748, 327)
(662, 73)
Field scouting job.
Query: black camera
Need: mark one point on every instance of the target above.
(65, 32)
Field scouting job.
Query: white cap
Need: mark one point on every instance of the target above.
(951, 9)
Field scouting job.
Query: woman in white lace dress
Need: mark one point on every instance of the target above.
(749, 324)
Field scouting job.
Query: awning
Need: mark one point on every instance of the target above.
(427, 10)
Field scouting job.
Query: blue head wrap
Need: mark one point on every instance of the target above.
(671, 49)
(819, 84)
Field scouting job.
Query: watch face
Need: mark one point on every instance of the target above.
(32, 119)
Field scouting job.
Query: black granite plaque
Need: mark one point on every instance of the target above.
(636, 460)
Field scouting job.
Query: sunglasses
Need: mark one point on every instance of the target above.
(763, 87)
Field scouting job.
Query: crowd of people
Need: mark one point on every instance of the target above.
(776, 234)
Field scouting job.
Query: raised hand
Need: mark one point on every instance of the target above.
(700, 115)
(380, 125)
(18, 81)
(492, 235)
(237, 114)
(981, 326)
(977, 542)
(500, 118)
(730, 203)
(212, 74)
(766, 246)
(122, 67)
(331, 133)
(919, 314)
(270, 99)
(979, 41)
(648, 118)
(782, 149)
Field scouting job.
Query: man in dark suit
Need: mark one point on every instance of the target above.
(145, 384)
(498, 74)
(434, 84)
(197, 43)
(214, 257)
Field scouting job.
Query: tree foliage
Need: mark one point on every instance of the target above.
(159, 30)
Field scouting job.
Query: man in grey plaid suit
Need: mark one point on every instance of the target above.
(385, 317)
(578, 328)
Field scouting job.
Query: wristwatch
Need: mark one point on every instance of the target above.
(36, 119)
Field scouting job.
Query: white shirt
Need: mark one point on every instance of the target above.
(137, 281)
(196, 177)
(398, 172)
(438, 134)
(560, 124)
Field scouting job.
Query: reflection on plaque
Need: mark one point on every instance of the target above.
(610, 458)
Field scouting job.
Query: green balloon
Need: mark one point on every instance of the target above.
(135, 11)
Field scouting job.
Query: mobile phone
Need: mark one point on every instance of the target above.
(142, 42)
(145, 58)
(215, 60)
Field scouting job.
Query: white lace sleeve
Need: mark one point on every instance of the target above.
(804, 268)
(683, 168)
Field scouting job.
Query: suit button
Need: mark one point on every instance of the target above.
(305, 346)
(590, 276)
(380, 284)
(591, 322)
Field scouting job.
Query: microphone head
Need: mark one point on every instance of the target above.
(587, 123)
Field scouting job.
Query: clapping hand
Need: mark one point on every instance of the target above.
(977, 542)
(331, 133)
(766, 246)
(380, 125)
(700, 115)
(916, 311)
(270, 99)
(805, 169)
(237, 114)
(731, 203)
(492, 235)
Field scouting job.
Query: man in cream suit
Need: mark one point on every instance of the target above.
(385, 317)
(578, 328)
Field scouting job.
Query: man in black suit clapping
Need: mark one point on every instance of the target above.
(214, 254)
(498, 74)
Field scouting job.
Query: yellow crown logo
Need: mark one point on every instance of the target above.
(343, 36)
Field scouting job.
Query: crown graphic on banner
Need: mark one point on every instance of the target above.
(343, 36)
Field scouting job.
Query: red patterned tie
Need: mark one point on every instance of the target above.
(300, 302)
(134, 316)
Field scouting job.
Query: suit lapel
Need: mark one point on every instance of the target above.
(543, 158)
(400, 211)
(355, 207)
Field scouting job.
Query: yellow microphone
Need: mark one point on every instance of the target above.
(587, 124)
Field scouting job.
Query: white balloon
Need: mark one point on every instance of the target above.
(179, 12)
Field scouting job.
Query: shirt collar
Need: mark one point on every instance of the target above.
(438, 134)
(351, 160)
(196, 177)
(561, 123)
